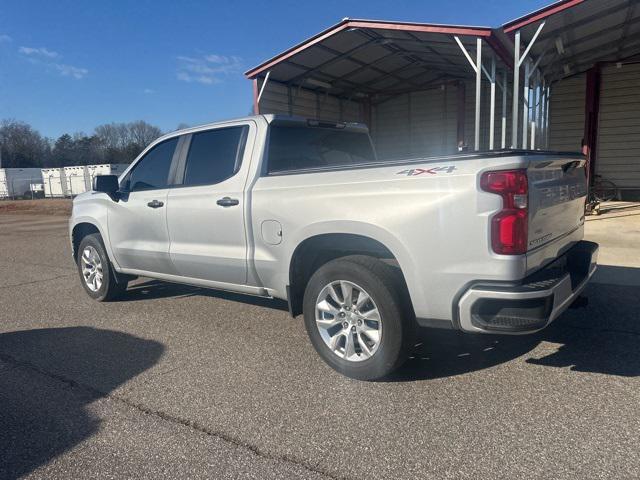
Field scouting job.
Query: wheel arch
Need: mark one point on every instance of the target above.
(81, 230)
(316, 250)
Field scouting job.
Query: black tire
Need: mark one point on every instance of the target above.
(110, 289)
(382, 283)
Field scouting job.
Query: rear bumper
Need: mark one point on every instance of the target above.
(532, 304)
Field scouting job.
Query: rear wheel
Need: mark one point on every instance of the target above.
(355, 317)
(96, 272)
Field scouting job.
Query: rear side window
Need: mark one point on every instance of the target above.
(300, 148)
(214, 155)
(152, 171)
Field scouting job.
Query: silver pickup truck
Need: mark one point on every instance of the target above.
(365, 249)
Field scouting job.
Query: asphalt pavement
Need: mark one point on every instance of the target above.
(181, 382)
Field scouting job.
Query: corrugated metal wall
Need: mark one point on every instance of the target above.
(280, 99)
(566, 112)
(416, 124)
(618, 159)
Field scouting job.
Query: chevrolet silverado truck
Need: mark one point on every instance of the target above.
(366, 249)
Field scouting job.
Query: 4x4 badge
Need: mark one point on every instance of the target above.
(431, 171)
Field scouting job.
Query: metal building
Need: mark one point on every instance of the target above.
(563, 77)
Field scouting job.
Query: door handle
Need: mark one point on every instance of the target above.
(155, 204)
(228, 202)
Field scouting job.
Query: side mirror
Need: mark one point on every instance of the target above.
(106, 184)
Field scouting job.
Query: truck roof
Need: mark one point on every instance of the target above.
(273, 118)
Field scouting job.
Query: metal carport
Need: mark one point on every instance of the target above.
(588, 52)
(567, 77)
(423, 89)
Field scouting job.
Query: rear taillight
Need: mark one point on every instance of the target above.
(509, 227)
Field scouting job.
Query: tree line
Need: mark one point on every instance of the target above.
(22, 146)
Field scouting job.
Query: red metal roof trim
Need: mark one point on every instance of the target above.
(540, 14)
(382, 25)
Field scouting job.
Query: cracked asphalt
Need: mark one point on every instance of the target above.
(180, 382)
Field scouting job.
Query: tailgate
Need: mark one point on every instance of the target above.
(557, 193)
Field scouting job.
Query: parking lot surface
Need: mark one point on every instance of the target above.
(181, 382)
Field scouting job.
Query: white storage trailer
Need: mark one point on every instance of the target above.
(105, 169)
(16, 182)
(55, 184)
(74, 180)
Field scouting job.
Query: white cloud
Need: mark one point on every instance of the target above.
(148, 91)
(5, 38)
(207, 69)
(70, 71)
(47, 58)
(40, 52)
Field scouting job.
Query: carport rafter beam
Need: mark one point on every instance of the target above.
(588, 60)
(344, 56)
(431, 49)
(585, 21)
(363, 64)
(329, 77)
(400, 50)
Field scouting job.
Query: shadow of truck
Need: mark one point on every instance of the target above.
(39, 420)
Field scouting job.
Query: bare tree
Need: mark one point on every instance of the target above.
(142, 134)
(21, 145)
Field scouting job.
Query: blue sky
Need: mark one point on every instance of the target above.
(67, 66)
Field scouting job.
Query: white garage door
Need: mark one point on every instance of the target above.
(618, 157)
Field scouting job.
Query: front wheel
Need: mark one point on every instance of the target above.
(357, 318)
(96, 273)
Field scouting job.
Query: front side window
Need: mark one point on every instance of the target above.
(214, 155)
(152, 171)
(299, 148)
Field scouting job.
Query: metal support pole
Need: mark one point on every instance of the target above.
(516, 91)
(264, 84)
(525, 105)
(503, 142)
(534, 114)
(256, 107)
(540, 117)
(547, 129)
(461, 93)
(479, 70)
(478, 91)
(492, 119)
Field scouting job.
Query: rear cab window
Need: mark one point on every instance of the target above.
(296, 146)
